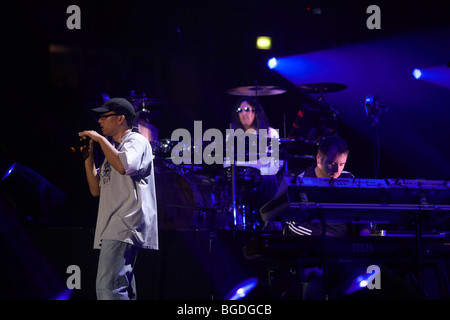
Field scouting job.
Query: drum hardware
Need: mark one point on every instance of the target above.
(318, 112)
(297, 154)
(256, 91)
(177, 194)
(200, 221)
(242, 202)
(233, 189)
(142, 104)
(322, 87)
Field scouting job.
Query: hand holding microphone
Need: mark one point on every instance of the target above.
(85, 146)
(87, 137)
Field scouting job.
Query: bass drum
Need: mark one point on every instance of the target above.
(184, 202)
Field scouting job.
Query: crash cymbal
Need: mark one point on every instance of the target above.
(141, 101)
(256, 91)
(322, 87)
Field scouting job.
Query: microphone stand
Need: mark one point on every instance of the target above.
(374, 111)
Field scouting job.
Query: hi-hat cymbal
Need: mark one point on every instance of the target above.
(322, 87)
(256, 91)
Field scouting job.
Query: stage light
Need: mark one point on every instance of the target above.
(34, 196)
(264, 43)
(272, 63)
(417, 73)
(439, 75)
(105, 96)
(63, 295)
(357, 283)
(242, 289)
(362, 281)
(8, 171)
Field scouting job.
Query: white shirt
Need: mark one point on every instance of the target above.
(267, 165)
(127, 209)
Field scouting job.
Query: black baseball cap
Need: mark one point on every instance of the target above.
(120, 106)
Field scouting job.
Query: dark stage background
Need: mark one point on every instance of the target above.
(189, 52)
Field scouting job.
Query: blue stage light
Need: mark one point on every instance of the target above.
(362, 281)
(8, 172)
(105, 96)
(242, 289)
(358, 282)
(63, 295)
(417, 73)
(272, 63)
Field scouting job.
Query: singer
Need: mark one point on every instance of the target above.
(125, 183)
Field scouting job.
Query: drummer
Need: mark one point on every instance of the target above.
(248, 115)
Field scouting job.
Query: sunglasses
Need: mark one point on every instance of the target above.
(246, 109)
(104, 116)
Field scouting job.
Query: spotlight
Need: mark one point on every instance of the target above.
(105, 96)
(272, 63)
(357, 283)
(264, 43)
(8, 172)
(417, 73)
(242, 289)
(362, 281)
(63, 295)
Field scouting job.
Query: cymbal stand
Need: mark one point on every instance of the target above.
(233, 186)
(334, 112)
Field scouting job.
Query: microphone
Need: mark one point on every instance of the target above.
(83, 143)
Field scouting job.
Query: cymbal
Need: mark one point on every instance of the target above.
(256, 91)
(141, 101)
(322, 87)
(145, 102)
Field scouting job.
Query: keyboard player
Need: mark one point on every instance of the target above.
(330, 163)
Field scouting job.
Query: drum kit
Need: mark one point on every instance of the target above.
(190, 197)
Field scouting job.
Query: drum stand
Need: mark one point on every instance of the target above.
(233, 194)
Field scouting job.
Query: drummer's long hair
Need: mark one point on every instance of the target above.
(260, 122)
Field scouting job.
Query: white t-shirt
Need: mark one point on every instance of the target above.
(267, 164)
(127, 209)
